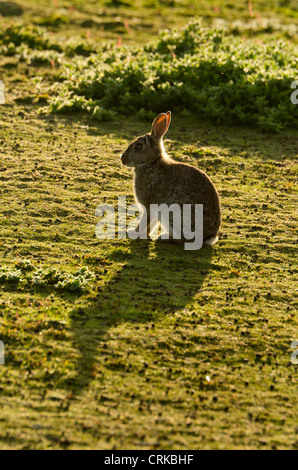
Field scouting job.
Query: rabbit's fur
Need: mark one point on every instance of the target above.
(159, 179)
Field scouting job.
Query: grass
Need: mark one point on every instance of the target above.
(161, 348)
(139, 20)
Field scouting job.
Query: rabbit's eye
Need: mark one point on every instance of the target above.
(138, 146)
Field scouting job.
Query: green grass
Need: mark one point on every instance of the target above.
(105, 19)
(155, 347)
(196, 70)
(188, 71)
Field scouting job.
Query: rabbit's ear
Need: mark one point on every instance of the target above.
(160, 125)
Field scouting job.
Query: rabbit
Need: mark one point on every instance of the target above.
(159, 179)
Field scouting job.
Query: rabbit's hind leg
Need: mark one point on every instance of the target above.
(211, 240)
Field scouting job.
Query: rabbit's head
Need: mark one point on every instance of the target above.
(149, 147)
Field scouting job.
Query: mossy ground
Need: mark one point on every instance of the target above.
(168, 349)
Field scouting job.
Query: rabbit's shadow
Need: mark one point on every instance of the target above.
(155, 278)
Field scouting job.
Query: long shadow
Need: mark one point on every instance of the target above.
(156, 279)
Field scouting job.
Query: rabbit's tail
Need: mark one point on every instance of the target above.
(211, 240)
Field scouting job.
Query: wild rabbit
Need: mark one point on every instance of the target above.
(161, 180)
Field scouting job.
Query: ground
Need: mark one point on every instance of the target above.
(165, 348)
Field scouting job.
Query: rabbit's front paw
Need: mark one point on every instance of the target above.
(163, 237)
(135, 235)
